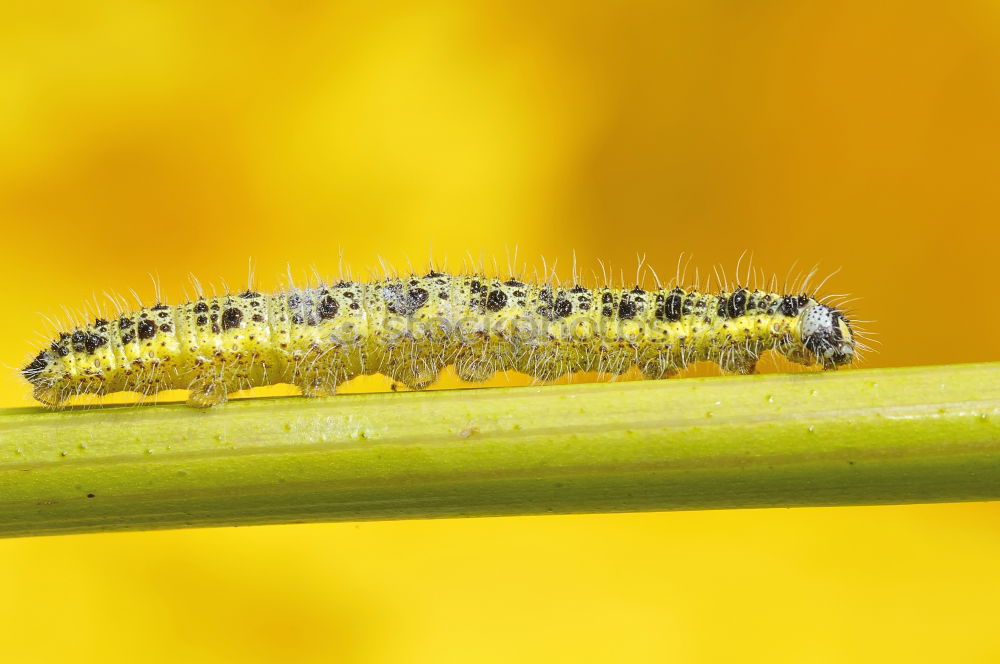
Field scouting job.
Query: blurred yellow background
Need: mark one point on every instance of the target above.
(177, 137)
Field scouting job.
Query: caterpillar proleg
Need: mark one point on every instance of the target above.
(411, 327)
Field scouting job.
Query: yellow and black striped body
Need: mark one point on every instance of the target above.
(411, 328)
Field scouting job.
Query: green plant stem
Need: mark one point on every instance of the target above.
(925, 434)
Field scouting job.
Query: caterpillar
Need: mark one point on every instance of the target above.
(410, 328)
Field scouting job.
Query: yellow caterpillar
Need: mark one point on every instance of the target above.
(411, 328)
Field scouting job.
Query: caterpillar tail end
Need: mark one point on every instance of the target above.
(49, 396)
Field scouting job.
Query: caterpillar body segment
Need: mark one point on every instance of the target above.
(411, 328)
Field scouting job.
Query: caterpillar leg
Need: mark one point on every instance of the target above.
(744, 364)
(416, 378)
(474, 368)
(318, 388)
(656, 371)
(314, 381)
(206, 395)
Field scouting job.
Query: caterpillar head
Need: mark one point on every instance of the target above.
(826, 333)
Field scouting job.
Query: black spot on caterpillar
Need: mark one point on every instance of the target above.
(410, 329)
(231, 318)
